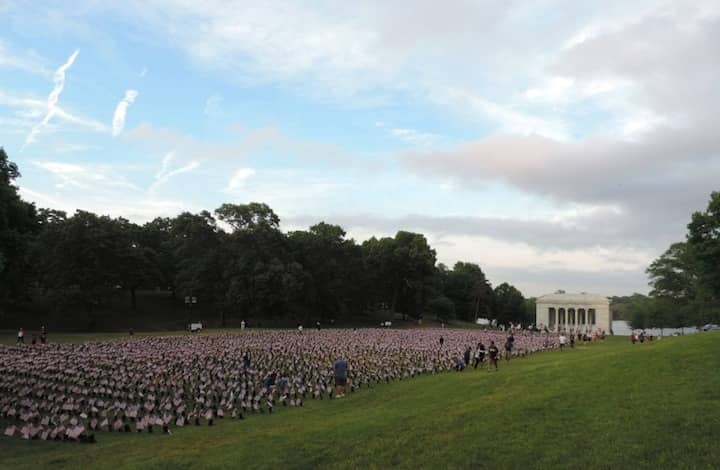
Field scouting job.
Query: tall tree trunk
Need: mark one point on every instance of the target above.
(133, 299)
(394, 300)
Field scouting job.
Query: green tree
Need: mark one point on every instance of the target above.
(470, 291)
(262, 278)
(414, 261)
(248, 216)
(640, 313)
(530, 311)
(18, 226)
(442, 307)
(673, 274)
(156, 237)
(380, 272)
(78, 258)
(703, 241)
(137, 263)
(333, 268)
(200, 260)
(509, 305)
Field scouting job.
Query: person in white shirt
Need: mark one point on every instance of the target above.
(562, 339)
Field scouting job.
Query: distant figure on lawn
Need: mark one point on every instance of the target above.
(562, 339)
(43, 335)
(246, 360)
(340, 376)
(493, 353)
(21, 336)
(633, 338)
(509, 346)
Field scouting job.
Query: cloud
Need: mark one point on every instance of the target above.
(653, 184)
(53, 97)
(213, 106)
(536, 255)
(89, 177)
(244, 142)
(586, 228)
(165, 173)
(121, 109)
(27, 61)
(27, 109)
(363, 52)
(411, 136)
(133, 206)
(238, 179)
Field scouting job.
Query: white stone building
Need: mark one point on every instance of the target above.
(573, 312)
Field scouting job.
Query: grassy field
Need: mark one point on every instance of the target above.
(610, 405)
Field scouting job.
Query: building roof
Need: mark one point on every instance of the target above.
(577, 299)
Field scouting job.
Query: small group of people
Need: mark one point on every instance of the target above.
(40, 338)
(492, 354)
(640, 337)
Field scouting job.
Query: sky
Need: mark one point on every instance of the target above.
(558, 144)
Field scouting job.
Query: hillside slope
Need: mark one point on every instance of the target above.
(610, 405)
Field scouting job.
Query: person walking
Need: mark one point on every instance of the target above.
(509, 346)
(340, 367)
(493, 353)
(479, 355)
(21, 336)
(459, 363)
(562, 339)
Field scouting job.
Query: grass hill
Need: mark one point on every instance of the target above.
(610, 405)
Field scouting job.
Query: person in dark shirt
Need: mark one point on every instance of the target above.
(479, 355)
(270, 379)
(340, 367)
(493, 356)
(466, 356)
(509, 346)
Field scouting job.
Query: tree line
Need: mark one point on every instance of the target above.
(685, 279)
(237, 261)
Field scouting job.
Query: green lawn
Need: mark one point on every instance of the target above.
(611, 405)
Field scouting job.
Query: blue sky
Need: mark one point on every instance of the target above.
(557, 144)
